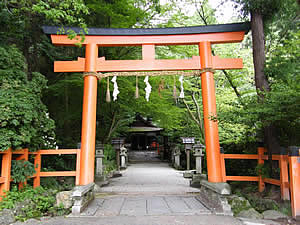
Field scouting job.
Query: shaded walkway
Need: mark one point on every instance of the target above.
(147, 189)
(150, 178)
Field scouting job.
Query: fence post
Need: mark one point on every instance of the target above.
(37, 166)
(261, 184)
(5, 171)
(24, 156)
(77, 167)
(294, 161)
(223, 167)
(284, 175)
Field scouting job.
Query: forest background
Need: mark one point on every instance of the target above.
(40, 109)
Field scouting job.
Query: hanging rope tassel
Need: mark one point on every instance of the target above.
(137, 95)
(174, 89)
(108, 91)
(181, 87)
(161, 87)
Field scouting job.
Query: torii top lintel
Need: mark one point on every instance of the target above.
(148, 38)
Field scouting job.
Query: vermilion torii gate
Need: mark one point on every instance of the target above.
(203, 36)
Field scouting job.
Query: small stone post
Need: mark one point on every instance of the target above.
(123, 154)
(198, 149)
(128, 147)
(177, 157)
(188, 145)
(172, 156)
(188, 158)
(118, 159)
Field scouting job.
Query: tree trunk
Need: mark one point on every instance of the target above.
(261, 82)
(258, 39)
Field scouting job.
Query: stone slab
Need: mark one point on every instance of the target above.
(79, 191)
(196, 178)
(248, 221)
(134, 207)
(7, 217)
(189, 173)
(176, 204)
(250, 213)
(216, 202)
(82, 196)
(273, 214)
(92, 208)
(111, 206)
(157, 206)
(196, 206)
(220, 188)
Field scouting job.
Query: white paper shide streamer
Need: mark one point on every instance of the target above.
(148, 88)
(181, 87)
(116, 89)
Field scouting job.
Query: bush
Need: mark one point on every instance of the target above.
(32, 203)
(21, 169)
(109, 158)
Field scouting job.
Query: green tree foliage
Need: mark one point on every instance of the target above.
(23, 20)
(265, 7)
(271, 23)
(64, 100)
(24, 121)
(235, 90)
(21, 170)
(281, 104)
(121, 13)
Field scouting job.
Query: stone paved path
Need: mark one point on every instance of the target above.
(149, 179)
(147, 189)
(145, 206)
(147, 194)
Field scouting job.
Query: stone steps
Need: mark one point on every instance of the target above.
(143, 156)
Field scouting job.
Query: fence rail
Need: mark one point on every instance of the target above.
(23, 154)
(289, 169)
(283, 165)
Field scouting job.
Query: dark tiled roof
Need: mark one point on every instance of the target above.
(232, 27)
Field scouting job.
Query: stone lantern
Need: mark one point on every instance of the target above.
(99, 159)
(177, 157)
(123, 154)
(117, 144)
(198, 153)
(188, 145)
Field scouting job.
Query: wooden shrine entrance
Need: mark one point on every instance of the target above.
(92, 66)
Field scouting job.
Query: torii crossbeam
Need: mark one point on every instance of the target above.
(203, 36)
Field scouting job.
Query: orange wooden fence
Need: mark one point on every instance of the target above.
(260, 157)
(289, 168)
(5, 177)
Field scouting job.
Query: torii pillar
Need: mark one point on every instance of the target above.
(88, 130)
(213, 158)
